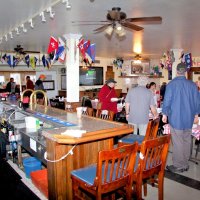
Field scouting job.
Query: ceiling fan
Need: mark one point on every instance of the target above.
(20, 50)
(116, 19)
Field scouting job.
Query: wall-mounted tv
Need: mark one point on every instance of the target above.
(91, 76)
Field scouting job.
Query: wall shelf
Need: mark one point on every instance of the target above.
(136, 76)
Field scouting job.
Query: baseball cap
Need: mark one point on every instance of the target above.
(42, 76)
(181, 68)
(111, 80)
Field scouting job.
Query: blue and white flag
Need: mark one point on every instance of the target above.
(27, 60)
(188, 60)
(60, 52)
(9, 60)
(91, 51)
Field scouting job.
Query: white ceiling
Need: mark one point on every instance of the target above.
(179, 29)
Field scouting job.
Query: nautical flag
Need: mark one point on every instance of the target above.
(27, 60)
(81, 47)
(91, 51)
(44, 61)
(15, 61)
(86, 45)
(33, 61)
(53, 45)
(60, 52)
(4, 57)
(62, 55)
(9, 60)
(188, 60)
(1, 57)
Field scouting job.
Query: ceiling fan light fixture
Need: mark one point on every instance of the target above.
(137, 61)
(109, 30)
(122, 33)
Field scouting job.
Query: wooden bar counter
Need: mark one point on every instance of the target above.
(99, 135)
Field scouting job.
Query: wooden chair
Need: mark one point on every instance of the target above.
(87, 111)
(151, 132)
(151, 165)
(105, 114)
(112, 172)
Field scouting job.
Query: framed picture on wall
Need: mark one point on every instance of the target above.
(140, 67)
(49, 85)
(63, 82)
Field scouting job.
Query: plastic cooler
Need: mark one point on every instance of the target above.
(31, 164)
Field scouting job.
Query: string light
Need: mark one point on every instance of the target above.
(42, 16)
(68, 5)
(6, 37)
(17, 31)
(51, 13)
(31, 23)
(23, 28)
(11, 35)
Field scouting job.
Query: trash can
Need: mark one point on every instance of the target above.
(31, 164)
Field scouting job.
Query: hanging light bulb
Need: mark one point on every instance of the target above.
(11, 35)
(31, 23)
(43, 17)
(17, 31)
(23, 28)
(109, 30)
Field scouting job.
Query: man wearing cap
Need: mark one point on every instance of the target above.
(181, 106)
(108, 97)
(138, 102)
(39, 83)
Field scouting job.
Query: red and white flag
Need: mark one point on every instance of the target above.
(81, 47)
(53, 45)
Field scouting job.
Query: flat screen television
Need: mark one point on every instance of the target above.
(91, 76)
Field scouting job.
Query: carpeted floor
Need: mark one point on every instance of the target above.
(11, 186)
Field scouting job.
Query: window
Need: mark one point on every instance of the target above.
(17, 78)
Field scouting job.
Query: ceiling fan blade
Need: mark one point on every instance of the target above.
(131, 26)
(102, 28)
(155, 19)
(73, 22)
(31, 51)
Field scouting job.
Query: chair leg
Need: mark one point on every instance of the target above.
(160, 185)
(145, 188)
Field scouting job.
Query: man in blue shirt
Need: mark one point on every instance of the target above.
(181, 106)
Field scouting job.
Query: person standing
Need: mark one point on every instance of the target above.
(138, 102)
(108, 97)
(39, 83)
(181, 106)
(29, 83)
(10, 87)
(152, 88)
